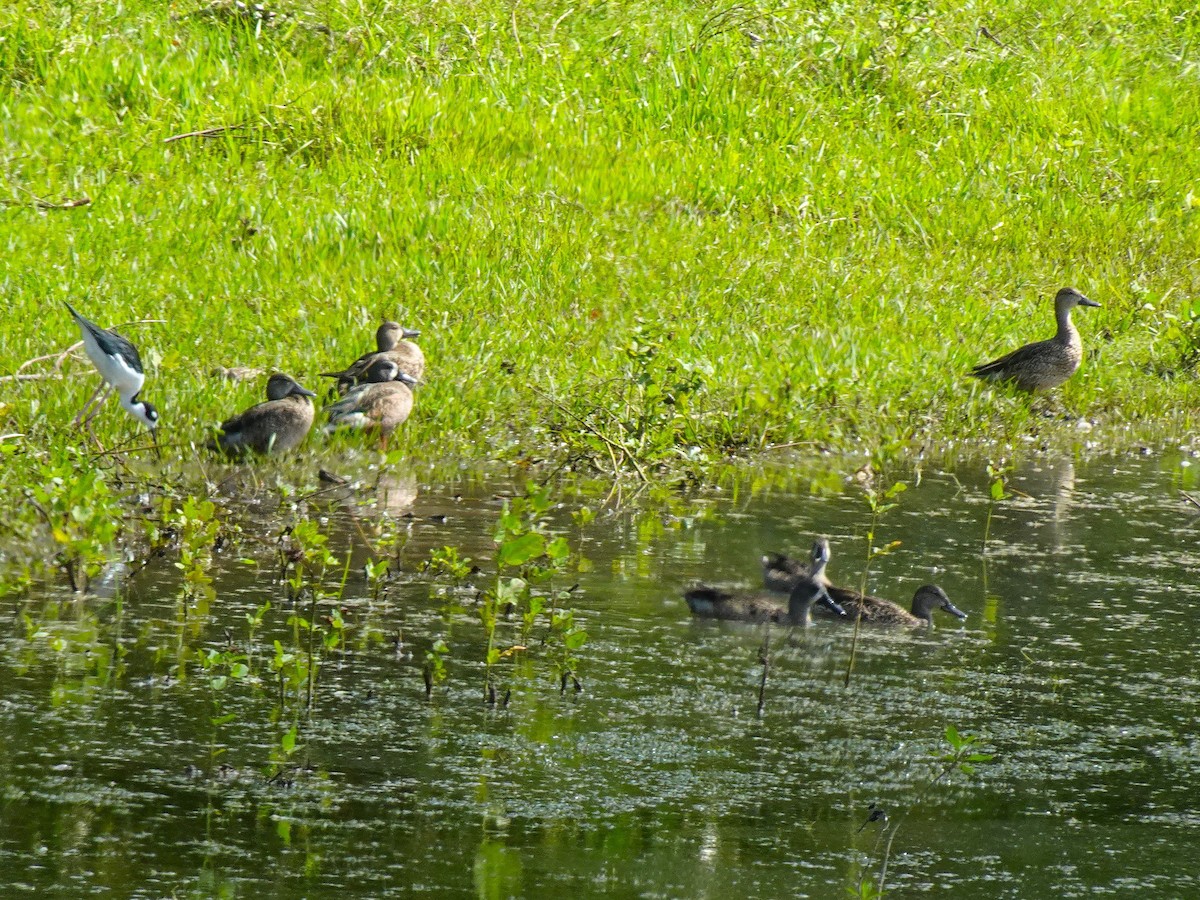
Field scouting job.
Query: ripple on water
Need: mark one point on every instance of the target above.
(661, 778)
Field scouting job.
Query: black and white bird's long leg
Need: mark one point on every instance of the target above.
(96, 404)
(80, 419)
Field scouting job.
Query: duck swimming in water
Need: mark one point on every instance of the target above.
(804, 592)
(780, 572)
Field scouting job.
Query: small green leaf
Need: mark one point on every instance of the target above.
(575, 639)
(520, 550)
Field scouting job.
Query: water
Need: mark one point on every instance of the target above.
(1075, 668)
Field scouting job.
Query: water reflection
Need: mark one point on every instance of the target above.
(126, 770)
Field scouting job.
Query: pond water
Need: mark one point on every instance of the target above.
(659, 778)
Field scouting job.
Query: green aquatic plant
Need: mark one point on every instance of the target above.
(82, 515)
(963, 756)
(305, 559)
(434, 670)
(387, 555)
(527, 557)
(254, 621)
(997, 473)
(196, 527)
(879, 503)
(222, 668)
(290, 668)
(565, 638)
(446, 562)
(582, 517)
(376, 573)
(764, 660)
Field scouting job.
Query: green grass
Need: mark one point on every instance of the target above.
(697, 230)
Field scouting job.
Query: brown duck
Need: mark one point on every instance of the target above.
(780, 572)
(805, 591)
(276, 426)
(382, 404)
(1045, 364)
(394, 345)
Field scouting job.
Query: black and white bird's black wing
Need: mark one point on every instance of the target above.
(110, 343)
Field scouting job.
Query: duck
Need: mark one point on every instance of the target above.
(714, 603)
(276, 426)
(395, 344)
(382, 404)
(1046, 364)
(780, 572)
(119, 364)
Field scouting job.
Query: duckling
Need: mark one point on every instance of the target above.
(383, 403)
(276, 426)
(394, 344)
(119, 364)
(780, 572)
(714, 603)
(1045, 364)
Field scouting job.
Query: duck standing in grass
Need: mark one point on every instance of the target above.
(395, 345)
(805, 591)
(781, 572)
(1045, 364)
(276, 426)
(119, 364)
(382, 404)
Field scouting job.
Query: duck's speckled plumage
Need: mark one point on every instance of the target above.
(715, 603)
(780, 572)
(276, 426)
(382, 404)
(393, 346)
(1045, 364)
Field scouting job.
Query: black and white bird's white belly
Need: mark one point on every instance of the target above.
(118, 364)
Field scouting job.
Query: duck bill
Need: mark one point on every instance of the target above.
(1086, 301)
(954, 610)
(303, 391)
(407, 333)
(829, 603)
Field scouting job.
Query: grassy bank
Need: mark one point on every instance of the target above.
(629, 231)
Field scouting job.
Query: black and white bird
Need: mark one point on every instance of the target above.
(119, 365)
